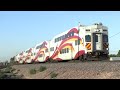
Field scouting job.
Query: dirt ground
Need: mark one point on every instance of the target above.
(74, 70)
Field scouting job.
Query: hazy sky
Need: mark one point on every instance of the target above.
(20, 30)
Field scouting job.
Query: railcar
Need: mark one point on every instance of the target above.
(83, 42)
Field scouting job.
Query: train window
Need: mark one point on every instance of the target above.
(67, 50)
(75, 42)
(63, 51)
(40, 55)
(78, 42)
(69, 34)
(72, 33)
(60, 52)
(105, 38)
(96, 38)
(55, 40)
(66, 35)
(52, 49)
(38, 47)
(87, 29)
(104, 30)
(63, 36)
(88, 38)
(60, 38)
(46, 50)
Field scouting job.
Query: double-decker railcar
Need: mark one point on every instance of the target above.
(83, 42)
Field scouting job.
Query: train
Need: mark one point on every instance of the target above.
(82, 42)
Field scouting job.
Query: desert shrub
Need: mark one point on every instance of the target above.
(42, 68)
(53, 75)
(33, 71)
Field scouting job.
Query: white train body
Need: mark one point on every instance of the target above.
(81, 42)
(41, 52)
(24, 56)
(65, 47)
(17, 57)
(29, 55)
(21, 58)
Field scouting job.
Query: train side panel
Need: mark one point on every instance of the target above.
(65, 45)
(42, 52)
(36, 52)
(29, 56)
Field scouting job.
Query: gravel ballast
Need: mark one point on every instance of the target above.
(74, 70)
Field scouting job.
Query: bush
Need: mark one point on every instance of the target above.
(33, 71)
(7, 73)
(53, 75)
(3, 75)
(8, 70)
(113, 55)
(18, 70)
(42, 68)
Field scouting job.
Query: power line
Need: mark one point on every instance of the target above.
(114, 34)
(113, 51)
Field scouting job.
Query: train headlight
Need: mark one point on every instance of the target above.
(97, 30)
(106, 48)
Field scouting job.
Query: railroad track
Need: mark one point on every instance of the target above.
(69, 61)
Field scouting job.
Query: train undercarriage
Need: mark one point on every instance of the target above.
(94, 56)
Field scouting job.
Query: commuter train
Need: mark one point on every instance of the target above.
(78, 43)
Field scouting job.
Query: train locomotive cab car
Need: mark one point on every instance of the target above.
(96, 41)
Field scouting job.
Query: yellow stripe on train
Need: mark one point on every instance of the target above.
(88, 46)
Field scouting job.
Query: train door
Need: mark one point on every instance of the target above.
(97, 41)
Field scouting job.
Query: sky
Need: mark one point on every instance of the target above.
(20, 30)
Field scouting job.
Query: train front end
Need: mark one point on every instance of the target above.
(96, 41)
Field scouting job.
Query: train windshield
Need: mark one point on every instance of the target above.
(96, 38)
(88, 38)
(105, 38)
